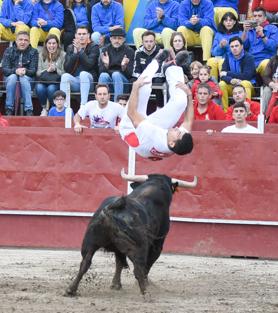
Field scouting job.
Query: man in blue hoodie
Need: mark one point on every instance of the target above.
(162, 18)
(196, 19)
(107, 15)
(260, 40)
(15, 16)
(223, 6)
(238, 69)
(48, 18)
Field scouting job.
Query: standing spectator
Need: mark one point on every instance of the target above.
(15, 16)
(81, 65)
(107, 15)
(270, 6)
(221, 7)
(116, 62)
(271, 84)
(252, 107)
(19, 64)
(204, 107)
(241, 126)
(77, 14)
(196, 19)
(260, 41)
(102, 112)
(162, 18)
(47, 18)
(143, 57)
(227, 28)
(50, 69)
(238, 68)
(59, 99)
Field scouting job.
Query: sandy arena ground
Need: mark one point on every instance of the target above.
(33, 281)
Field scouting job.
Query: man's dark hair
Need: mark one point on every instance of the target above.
(183, 145)
(260, 9)
(82, 27)
(59, 93)
(148, 33)
(100, 86)
(236, 38)
(240, 105)
(22, 32)
(121, 97)
(206, 86)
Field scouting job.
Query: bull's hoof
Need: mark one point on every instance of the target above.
(70, 293)
(115, 286)
(147, 297)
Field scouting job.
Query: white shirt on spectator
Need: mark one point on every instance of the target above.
(248, 129)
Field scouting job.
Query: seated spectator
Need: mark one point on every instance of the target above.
(227, 28)
(162, 18)
(47, 18)
(143, 57)
(194, 71)
(238, 68)
(59, 99)
(116, 62)
(271, 85)
(101, 112)
(272, 104)
(122, 100)
(274, 115)
(271, 8)
(107, 15)
(50, 69)
(178, 43)
(15, 16)
(19, 64)
(252, 107)
(204, 77)
(81, 65)
(78, 13)
(196, 19)
(241, 126)
(221, 7)
(260, 41)
(204, 107)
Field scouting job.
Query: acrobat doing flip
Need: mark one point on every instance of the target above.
(155, 136)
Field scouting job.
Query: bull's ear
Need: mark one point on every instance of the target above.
(174, 187)
(134, 185)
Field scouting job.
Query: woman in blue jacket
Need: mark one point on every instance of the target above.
(15, 16)
(227, 28)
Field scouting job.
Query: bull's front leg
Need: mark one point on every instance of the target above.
(84, 266)
(120, 264)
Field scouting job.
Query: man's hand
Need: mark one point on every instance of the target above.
(41, 22)
(105, 58)
(78, 128)
(194, 20)
(247, 105)
(15, 24)
(159, 14)
(260, 31)
(76, 45)
(125, 62)
(235, 81)
(141, 81)
(223, 73)
(246, 26)
(223, 43)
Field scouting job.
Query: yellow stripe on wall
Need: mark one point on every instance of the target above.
(130, 7)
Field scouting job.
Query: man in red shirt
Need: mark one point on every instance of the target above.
(239, 96)
(204, 107)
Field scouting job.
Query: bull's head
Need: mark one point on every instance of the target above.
(143, 178)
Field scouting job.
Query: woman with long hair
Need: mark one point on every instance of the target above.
(227, 28)
(50, 69)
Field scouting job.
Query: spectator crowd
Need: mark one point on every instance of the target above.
(84, 50)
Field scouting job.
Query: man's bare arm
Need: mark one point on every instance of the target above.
(189, 111)
(136, 118)
(78, 127)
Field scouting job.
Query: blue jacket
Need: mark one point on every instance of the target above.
(13, 13)
(104, 17)
(226, 3)
(216, 49)
(53, 13)
(242, 68)
(204, 11)
(81, 15)
(258, 48)
(170, 19)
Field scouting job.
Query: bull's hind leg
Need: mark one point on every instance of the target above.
(84, 266)
(120, 264)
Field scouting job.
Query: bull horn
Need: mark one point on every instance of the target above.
(186, 184)
(134, 178)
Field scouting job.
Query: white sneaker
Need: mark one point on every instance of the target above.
(44, 112)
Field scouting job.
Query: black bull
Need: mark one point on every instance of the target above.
(133, 226)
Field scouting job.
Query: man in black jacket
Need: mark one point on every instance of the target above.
(116, 62)
(81, 65)
(19, 64)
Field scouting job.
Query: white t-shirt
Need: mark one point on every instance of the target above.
(101, 117)
(248, 129)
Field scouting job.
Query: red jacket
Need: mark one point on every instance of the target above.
(213, 112)
(3, 121)
(214, 87)
(254, 108)
(274, 115)
(268, 5)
